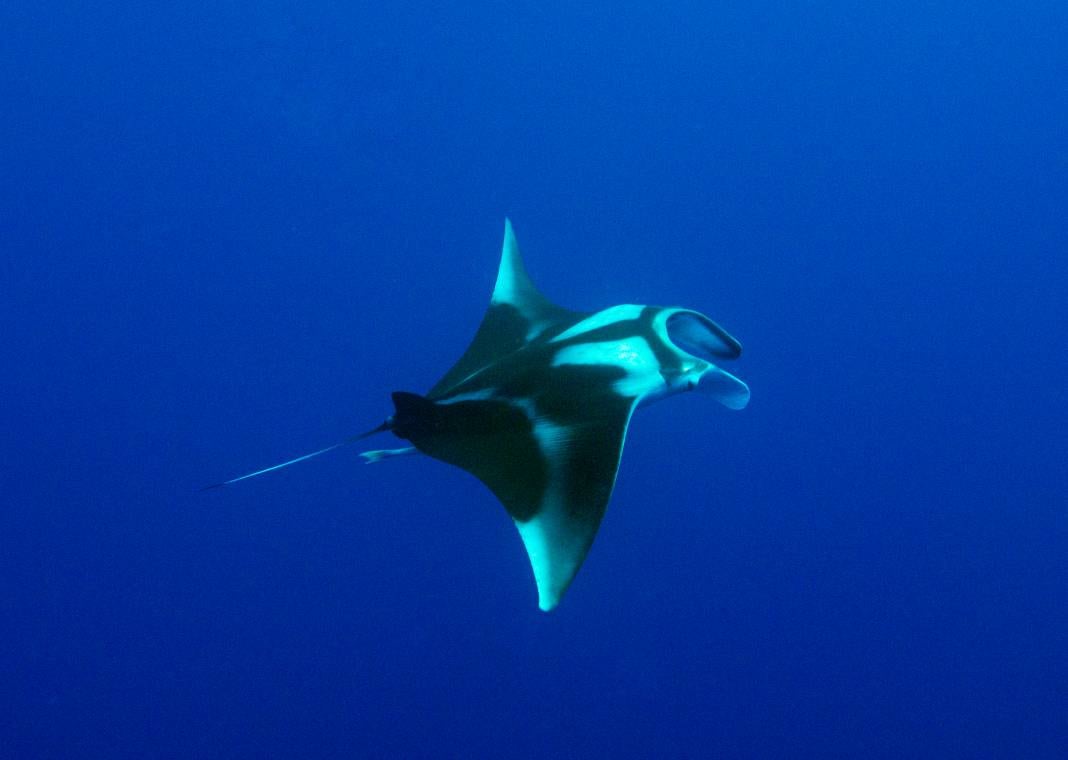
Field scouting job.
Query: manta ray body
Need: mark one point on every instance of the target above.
(538, 407)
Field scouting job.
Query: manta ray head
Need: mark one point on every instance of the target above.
(697, 344)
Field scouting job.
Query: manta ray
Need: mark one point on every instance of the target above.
(538, 408)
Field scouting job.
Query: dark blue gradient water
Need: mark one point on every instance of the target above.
(229, 230)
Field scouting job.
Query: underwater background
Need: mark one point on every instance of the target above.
(228, 230)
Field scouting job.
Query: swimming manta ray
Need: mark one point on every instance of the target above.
(538, 406)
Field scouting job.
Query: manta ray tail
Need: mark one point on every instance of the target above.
(380, 429)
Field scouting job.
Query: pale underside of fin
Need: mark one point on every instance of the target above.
(377, 455)
(583, 463)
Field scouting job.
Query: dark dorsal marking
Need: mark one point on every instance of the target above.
(493, 440)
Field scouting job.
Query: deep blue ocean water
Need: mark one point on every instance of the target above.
(229, 230)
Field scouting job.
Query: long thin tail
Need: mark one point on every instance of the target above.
(380, 429)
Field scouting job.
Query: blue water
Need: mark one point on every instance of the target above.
(229, 230)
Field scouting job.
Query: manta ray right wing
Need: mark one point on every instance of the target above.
(550, 460)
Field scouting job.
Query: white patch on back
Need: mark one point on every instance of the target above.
(633, 355)
(600, 319)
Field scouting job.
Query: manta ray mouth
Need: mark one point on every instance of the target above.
(694, 334)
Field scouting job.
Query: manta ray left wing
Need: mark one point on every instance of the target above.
(518, 313)
(550, 459)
